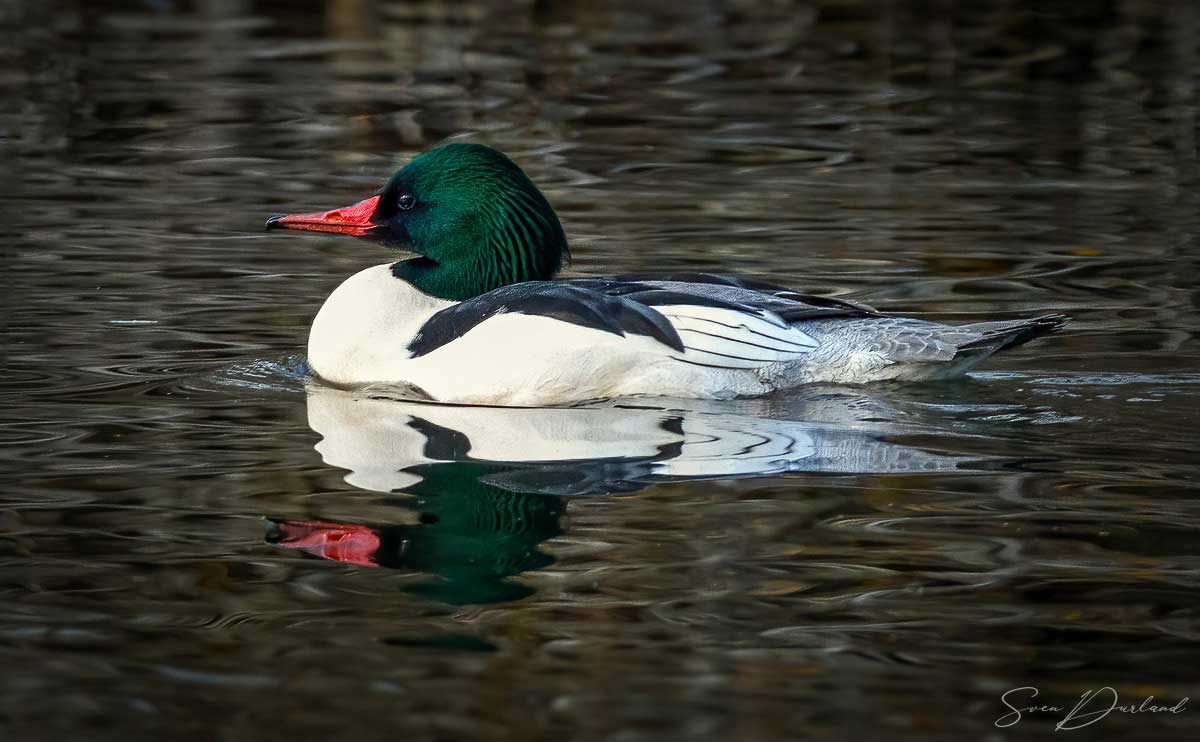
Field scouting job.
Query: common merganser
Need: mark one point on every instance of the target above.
(475, 317)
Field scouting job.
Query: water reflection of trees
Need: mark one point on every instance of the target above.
(457, 66)
(983, 148)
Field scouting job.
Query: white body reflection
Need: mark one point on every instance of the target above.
(382, 441)
(486, 486)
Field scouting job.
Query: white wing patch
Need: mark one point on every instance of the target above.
(728, 338)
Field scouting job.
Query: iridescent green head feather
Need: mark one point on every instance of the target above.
(474, 218)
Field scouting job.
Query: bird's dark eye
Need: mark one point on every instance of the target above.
(406, 201)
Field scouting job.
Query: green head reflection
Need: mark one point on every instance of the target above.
(470, 535)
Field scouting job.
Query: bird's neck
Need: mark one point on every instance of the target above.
(451, 281)
(462, 280)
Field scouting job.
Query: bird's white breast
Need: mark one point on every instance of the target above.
(362, 332)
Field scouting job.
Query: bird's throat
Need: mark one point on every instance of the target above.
(457, 280)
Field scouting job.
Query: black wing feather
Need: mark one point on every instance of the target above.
(722, 291)
(558, 300)
(625, 304)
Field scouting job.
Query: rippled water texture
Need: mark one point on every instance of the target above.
(197, 543)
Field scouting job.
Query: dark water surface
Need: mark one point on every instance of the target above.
(197, 544)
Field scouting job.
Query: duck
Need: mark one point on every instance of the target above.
(478, 315)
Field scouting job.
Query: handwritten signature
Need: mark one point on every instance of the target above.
(1093, 705)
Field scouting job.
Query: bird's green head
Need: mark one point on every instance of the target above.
(474, 219)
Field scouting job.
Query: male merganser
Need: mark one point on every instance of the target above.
(475, 318)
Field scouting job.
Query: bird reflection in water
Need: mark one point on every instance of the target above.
(470, 535)
(489, 485)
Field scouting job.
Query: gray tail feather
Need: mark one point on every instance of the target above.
(997, 336)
